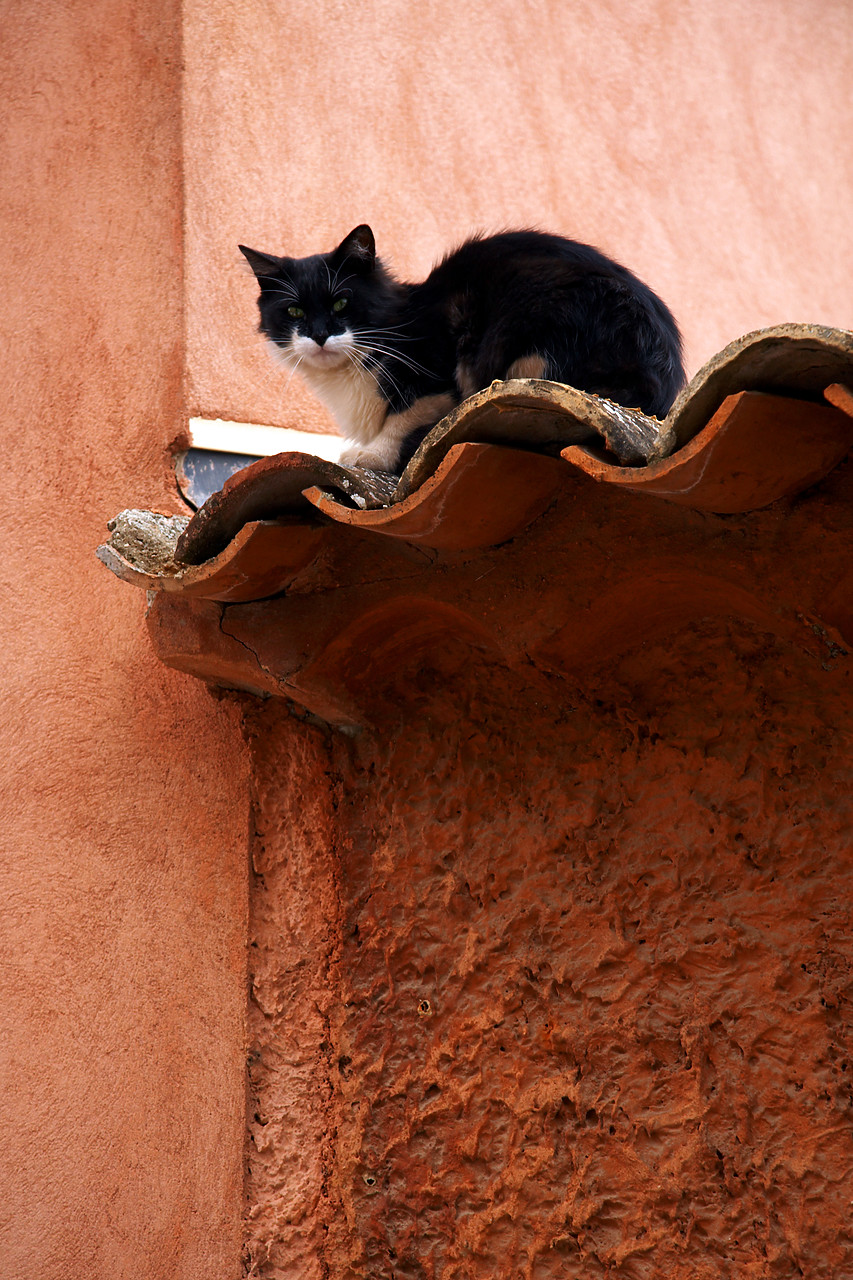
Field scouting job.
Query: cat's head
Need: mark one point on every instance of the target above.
(314, 309)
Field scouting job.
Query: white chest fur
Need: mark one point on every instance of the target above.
(353, 398)
(340, 381)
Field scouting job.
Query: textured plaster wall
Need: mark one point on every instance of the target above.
(123, 785)
(409, 887)
(707, 145)
(294, 942)
(580, 1003)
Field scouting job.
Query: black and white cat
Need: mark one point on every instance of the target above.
(391, 359)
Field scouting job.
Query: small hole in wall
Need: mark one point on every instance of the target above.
(369, 1179)
(425, 1008)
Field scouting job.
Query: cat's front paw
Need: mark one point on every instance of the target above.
(369, 459)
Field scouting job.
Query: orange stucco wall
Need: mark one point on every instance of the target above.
(591, 1015)
(124, 802)
(706, 145)
(552, 975)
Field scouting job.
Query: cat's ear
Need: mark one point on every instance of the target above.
(265, 266)
(359, 244)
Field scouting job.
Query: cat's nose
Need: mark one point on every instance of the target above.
(319, 336)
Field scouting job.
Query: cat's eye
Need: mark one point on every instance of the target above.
(296, 312)
(339, 304)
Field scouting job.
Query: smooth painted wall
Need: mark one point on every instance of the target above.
(704, 144)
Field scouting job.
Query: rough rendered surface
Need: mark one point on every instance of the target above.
(591, 997)
(293, 938)
(595, 982)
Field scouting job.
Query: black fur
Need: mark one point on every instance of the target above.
(489, 303)
(598, 327)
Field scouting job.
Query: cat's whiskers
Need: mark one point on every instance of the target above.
(335, 284)
(391, 331)
(357, 358)
(408, 362)
(284, 293)
(373, 367)
(293, 369)
(288, 284)
(359, 361)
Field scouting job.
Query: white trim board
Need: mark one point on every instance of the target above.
(250, 438)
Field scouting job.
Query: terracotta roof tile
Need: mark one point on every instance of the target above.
(764, 419)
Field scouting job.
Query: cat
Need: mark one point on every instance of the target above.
(391, 359)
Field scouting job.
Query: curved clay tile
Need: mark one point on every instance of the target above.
(269, 488)
(752, 426)
(755, 449)
(261, 559)
(534, 414)
(797, 360)
(531, 415)
(479, 496)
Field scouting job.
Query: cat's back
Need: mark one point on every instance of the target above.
(482, 255)
(589, 321)
(527, 267)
